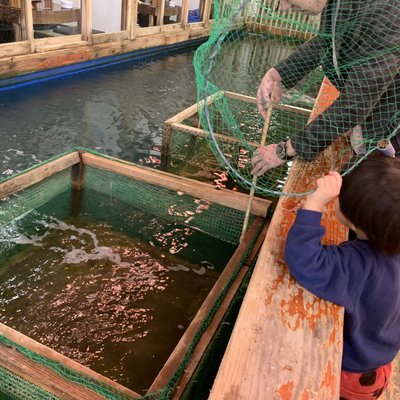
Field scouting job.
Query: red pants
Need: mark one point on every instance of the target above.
(363, 386)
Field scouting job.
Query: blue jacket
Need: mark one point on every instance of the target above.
(356, 277)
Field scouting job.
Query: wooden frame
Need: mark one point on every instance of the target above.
(77, 161)
(177, 121)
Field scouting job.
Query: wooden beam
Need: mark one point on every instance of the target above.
(134, 22)
(86, 20)
(45, 377)
(179, 352)
(29, 23)
(209, 334)
(184, 13)
(45, 45)
(38, 174)
(207, 10)
(196, 189)
(108, 37)
(193, 109)
(202, 133)
(393, 390)
(286, 342)
(253, 100)
(15, 49)
(20, 64)
(160, 12)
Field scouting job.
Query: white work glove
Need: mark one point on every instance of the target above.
(271, 79)
(264, 159)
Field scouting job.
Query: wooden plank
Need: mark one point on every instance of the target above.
(207, 8)
(86, 21)
(286, 342)
(149, 30)
(202, 133)
(393, 390)
(253, 100)
(209, 334)
(78, 176)
(59, 40)
(129, 16)
(179, 352)
(36, 175)
(51, 354)
(42, 47)
(184, 14)
(29, 24)
(16, 65)
(192, 110)
(160, 12)
(43, 377)
(134, 22)
(110, 37)
(14, 49)
(196, 189)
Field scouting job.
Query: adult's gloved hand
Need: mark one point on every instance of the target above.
(264, 159)
(271, 80)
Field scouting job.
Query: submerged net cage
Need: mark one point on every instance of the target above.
(355, 44)
(82, 182)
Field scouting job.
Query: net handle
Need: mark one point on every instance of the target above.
(264, 136)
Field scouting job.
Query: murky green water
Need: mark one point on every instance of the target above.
(109, 286)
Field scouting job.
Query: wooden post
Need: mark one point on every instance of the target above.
(86, 20)
(166, 145)
(77, 186)
(184, 15)
(133, 26)
(27, 24)
(207, 10)
(160, 13)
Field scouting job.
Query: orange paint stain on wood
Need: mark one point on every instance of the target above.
(286, 391)
(329, 379)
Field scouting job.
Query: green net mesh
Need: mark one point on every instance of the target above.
(353, 43)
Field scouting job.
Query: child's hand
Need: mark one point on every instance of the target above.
(328, 188)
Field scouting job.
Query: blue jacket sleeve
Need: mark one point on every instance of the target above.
(334, 273)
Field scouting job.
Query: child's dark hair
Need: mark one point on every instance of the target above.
(370, 200)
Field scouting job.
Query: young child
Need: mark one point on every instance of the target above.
(362, 275)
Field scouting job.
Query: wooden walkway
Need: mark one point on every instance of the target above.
(287, 343)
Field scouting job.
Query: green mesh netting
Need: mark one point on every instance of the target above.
(353, 43)
(216, 220)
(12, 386)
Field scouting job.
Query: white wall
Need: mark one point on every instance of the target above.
(106, 15)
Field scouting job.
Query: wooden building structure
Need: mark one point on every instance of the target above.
(73, 37)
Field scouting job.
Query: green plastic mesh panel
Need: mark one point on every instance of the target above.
(17, 388)
(354, 43)
(33, 197)
(191, 157)
(219, 221)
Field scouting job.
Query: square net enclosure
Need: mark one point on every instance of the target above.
(114, 277)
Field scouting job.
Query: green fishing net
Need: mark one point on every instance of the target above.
(353, 43)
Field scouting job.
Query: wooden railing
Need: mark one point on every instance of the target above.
(265, 16)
